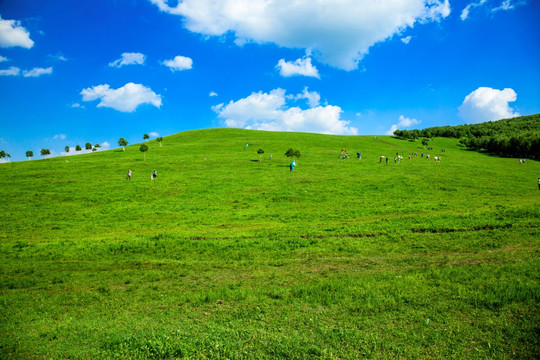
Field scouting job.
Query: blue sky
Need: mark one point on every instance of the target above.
(73, 72)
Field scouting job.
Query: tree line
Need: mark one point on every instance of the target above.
(88, 146)
(517, 137)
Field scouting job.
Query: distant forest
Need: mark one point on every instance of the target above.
(517, 137)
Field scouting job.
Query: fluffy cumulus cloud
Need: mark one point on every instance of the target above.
(179, 63)
(338, 33)
(301, 67)
(487, 104)
(125, 99)
(403, 123)
(3, 58)
(153, 134)
(36, 72)
(313, 98)
(13, 34)
(270, 111)
(11, 71)
(212, 94)
(129, 59)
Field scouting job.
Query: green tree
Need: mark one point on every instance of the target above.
(289, 153)
(293, 153)
(78, 148)
(88, 146)
(96, 147)
(29, 154)
(2, 154)
(260, 152)
(66, 149)
(159, 140)
(45, 152)
(123, 143)
(9, 157)
(424, 142)
(146, 136)
(144, 149)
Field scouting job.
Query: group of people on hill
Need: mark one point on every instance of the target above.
(152, 176)
(399, 157)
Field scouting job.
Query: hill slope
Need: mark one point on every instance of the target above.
(234, 257)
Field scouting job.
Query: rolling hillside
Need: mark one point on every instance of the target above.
(227, 256)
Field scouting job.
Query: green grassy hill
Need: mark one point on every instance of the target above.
(223, 256)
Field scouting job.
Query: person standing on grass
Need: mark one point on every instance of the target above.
(154, 174)
(539, 183)
(128, 177)
(386, 161)
(247, 145)
(293, 164)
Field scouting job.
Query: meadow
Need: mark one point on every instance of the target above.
(229, 256)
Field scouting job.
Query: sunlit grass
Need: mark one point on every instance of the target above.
(230, 257)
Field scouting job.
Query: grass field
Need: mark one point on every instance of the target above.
(234, 258)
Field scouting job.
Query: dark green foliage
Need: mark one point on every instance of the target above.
(293, 153)
(425, 142)
(45, 152)
(122, 142)
(88, 146)
(289, 153)
(144, 148)
(66, 149)
(260, 151)
(146, 136)
(2, 154)
(518, 137)
(29, 154)
(78, 148)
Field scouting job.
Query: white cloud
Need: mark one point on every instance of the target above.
(59, 137)
(403, 123)
(338, 33)
(57, 57)
(153, 134)
(77, 106)
(125, 99)
(105, 145)
(406, 40)
(35, 72)
(506, 5)
(313, 98)
(3, 58)
(179, 63)
(13, 34)
(299, 67)
(212, 93)
(11, 71)
(129, 59)
(269, 111)
(487, 104)
(465, 12)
